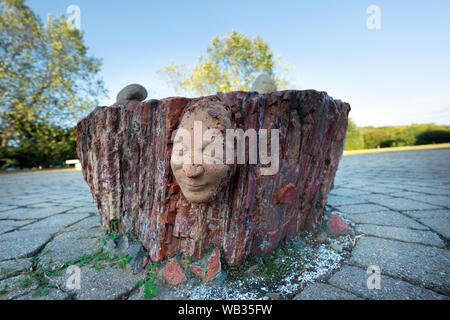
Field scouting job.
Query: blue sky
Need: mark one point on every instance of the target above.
(399, 74)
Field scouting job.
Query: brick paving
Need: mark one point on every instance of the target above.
(399, 202)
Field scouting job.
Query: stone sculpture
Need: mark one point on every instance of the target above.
(126, 151)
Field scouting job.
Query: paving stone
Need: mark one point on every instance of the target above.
(10, 225)
(13, 288)
(6, 207)
(19, 244)
(55, 223)
(321, 291)
(336, 201)
(361, 208)
(109, 283)
(355, 279)
(15, 291)
(84, 209)
(401, 204)
(53, 294)
(91, 222)
(348, 192)
(421, 265)
(402, 234)
(32, 213)
(12, 266)
(387, 218)
(437, 220)
(70, 246)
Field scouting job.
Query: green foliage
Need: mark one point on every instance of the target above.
(398, 136)
(42, 144)
(47, 82)
(4, 290)
(354, 139)
(148, 282)
(433, 136)
(230, 63)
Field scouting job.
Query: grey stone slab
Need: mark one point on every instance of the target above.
(420, 265)
(400, 204)
(32, 213)
(15, 291)
(6, 207)
(442, 201)
(361, 208)
(84, 209)
(336, 201)
(12, 266)
(55, 223)
(348, 192)
(70, 246)
(387, 218)
(106, 284)
(355, 279)
(91, 222)
(321, 291)
(13, 288)
(10, 225)
(20, 244)
(402, 234)
(53, 294)
(437, 220)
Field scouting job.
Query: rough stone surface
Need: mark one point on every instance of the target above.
(22, 244)
(336, 224)
(409, 270)
(424, 265)
(125, 151)
(110, 283)
(407, 235)
(438, 220)
(173, 273)
(322, 291)
(12, 266)
(354, 279)
(387, 218)
(132, 92)
(213, 265)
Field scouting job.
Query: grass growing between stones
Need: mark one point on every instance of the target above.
(39, 277)
(148, 283)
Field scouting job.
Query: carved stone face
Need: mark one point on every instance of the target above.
(200, 182)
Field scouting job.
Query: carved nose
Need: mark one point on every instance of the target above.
(193, 170)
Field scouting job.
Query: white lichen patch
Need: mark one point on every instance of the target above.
(302, 261)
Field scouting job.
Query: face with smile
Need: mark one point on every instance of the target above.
(200, 182)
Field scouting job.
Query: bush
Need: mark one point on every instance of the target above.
(433, 136)
(43, 146)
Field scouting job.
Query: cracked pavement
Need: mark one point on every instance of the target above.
(399, 202)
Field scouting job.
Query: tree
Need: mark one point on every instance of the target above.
(46, 76)
(230, 63)
(354, 139)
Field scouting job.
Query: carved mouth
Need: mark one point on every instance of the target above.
(194, 187)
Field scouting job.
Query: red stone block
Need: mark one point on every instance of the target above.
(336, 224)
(173, 273)
(213, 266)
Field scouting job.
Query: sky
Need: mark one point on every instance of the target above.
(397, 74)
